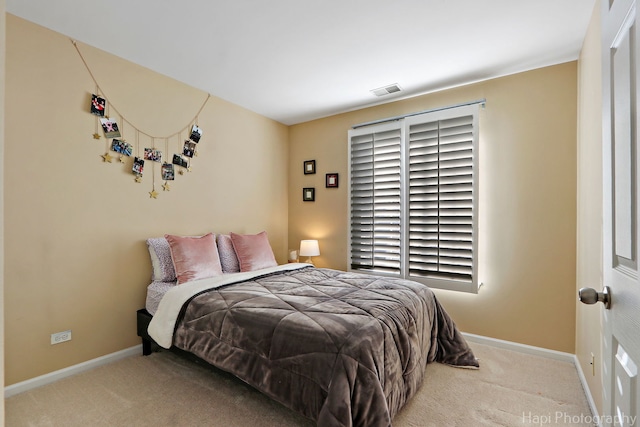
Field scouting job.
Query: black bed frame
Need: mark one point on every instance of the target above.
(143, 319)
(149, 345)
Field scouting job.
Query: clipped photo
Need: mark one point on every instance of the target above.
(189, 149)
(138, 166)
(179, 161)
(98, 105)
(110, 128)
(122, 147)
(152, 154)
(168, 173)
(196, 133)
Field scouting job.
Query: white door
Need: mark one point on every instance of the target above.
(621, 186)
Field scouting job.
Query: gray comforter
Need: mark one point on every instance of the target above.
(343, 349)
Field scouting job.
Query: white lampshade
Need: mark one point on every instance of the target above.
(309, 248)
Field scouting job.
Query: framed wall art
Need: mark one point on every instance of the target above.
(331, 180)
(309, 194)
(309, 167)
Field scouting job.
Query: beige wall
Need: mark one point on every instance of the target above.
(2, 157)
(76, 227)
(589, 239)
(527, 240)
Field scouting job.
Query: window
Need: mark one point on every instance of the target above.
(413, 198)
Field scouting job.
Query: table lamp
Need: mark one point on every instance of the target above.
(309, 248)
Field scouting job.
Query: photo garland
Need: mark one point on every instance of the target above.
(113, 131)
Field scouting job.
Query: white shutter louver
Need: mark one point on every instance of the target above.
(441, 223)
(376, 199)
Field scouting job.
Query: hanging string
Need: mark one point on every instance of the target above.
(165, 186)
(153, 165)
(96, 135)
(153, 194)
(138, 178)
(195, 151)
(120, 127)
(180, 145)
(101, 90)
(122, 138)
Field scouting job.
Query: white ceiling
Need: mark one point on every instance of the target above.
(297, 60)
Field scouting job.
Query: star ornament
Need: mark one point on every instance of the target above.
(166, 187)
(153, 194)
(106, 157)
(138, 178)
(96, 136)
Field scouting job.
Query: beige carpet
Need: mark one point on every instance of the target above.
(509, 389)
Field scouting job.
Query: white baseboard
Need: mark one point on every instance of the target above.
(587, 391)
(542, 352)
(32, 383)
(521, 348)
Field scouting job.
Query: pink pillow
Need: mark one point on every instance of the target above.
(253, 250)
(194, 257)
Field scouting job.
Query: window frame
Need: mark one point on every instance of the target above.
(404, 124)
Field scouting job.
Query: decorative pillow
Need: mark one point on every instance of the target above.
(194, 257)
(161, 263)
(227, 254)
(253, 250)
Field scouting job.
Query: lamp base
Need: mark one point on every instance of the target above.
(309, 261)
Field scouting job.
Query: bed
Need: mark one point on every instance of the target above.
(341, 348)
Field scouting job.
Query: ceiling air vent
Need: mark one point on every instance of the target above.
(386, 90)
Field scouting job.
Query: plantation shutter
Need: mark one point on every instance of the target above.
(375, 199)
(413, 198)
(441, 214)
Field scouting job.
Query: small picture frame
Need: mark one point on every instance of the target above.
(309, 167)
(309, 194)
(331, 180)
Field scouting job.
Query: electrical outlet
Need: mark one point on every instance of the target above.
(59, 337)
